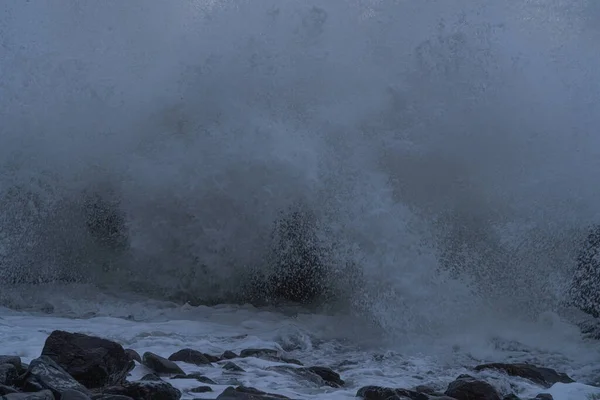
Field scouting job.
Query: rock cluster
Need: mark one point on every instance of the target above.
(75, 366)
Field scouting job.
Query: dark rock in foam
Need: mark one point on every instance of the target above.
(160, 365)
(92, 361)
(466, 387)
(542, 376)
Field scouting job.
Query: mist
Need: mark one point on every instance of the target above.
(447, 152)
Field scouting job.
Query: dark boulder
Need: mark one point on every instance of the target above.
(92, 361)
(233, 367)
(145, 390)
(196, 376)
(4, 390)
(383, 393)
(134, 355)
(111, 397)
(328, 375)
(45, 373)
(542, 376)
(201, 389)
(160, 365)
(74, 395)
(248, 393)
(191, 356)
(466, 387)
(8, 374)
(258, 353)
(228, 355)
(13, 360)
(41, 395)
(150, 377)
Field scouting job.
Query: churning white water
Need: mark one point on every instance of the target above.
(444, 153)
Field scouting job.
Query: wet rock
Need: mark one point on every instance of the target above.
(466, 387)
(41, 395)
(7, 390)
(191, 356)
(330, 377)
(160, 365)
(112, 397)
(150, 377)
(196, 376)
(45, 373)
(424, 389)
(145, 390)
(134, 355)
(13, 360)
(92, 361)
(8, 374)
(258, 353)
(201, 389)
(383, 393)
(74, 395)
(230, 366)
(511, 396)
(544, 396)
(542, 376)
(269, 355)
(248, 393)
(228, 355)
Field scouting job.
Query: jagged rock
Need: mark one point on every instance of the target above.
(4, 390)
(8, 374)
(74, 395)
(150, 377)
(134, 355)
(147, 390)
(542, 376)
(258, 353)
(191, 356)
(45, 373)
(92, 361)
(383, 393)
(269, 355)
(466, 387)
(228, 355)
(13, 360)
(201, 389)
(41, 395)
(230, 366)
(160, 365)
(330, 377)
(196, 376)
(248, 393)
(318, 375)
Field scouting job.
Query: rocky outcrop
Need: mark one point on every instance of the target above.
(92, 361)
(146, 390)
(44, 373)
(542, 376)
(384, 393)
(466, 387)
(195, 357)
(248, 393)
(160, 365)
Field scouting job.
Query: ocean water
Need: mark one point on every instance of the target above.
(435, 163)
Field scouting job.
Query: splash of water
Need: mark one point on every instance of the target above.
(445, 152)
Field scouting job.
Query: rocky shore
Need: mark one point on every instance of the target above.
(75, 366)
